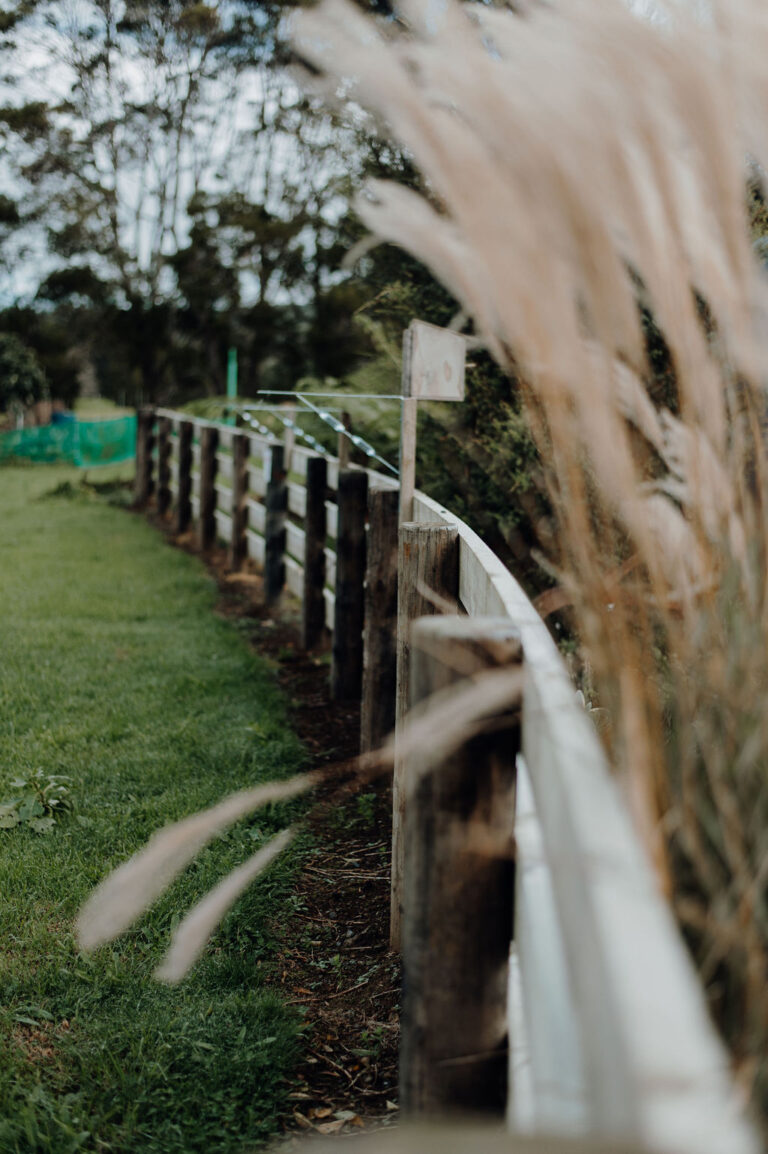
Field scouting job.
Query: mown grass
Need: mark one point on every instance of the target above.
(115, 670)
(99, 409)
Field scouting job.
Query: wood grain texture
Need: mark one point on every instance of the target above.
(408, 457)
(377, 715)
(145, 443)
(238, 546)
(458, 885)
(183, 509)
(206, 524)
(276, 504)
(428, 560)
(163, 465)
(343, 442)
(315, 527)
(347, 655)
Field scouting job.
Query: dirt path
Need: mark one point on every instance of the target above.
(334, 962)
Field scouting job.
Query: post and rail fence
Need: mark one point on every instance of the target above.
(546, 978)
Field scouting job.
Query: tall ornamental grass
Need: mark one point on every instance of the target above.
(583, 161)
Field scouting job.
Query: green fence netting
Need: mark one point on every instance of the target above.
(83, 443)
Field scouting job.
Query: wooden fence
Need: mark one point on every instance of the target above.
(562, 991)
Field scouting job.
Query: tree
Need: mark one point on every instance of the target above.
(171, 168)
(22, 380)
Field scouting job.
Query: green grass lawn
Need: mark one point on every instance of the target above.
(115, 671)
(99, 409)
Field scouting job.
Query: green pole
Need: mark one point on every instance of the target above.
(232, 379)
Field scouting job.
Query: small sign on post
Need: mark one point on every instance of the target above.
(433, 370)
(437, 363)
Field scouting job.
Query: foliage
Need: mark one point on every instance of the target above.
(39, 799)
(22, 380)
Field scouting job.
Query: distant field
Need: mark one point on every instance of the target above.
(99, 409)
(115, 671)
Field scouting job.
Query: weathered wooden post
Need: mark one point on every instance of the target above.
(163, 465)
(184, 482)
(315, 530)
(377, 717)
(347, 661)
(145, 443)
(289, 435)
(276, 503)
(206, 529)
(238, 546)
(343, 443)
(458, 901)
(428, 562)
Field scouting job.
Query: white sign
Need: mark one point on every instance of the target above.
(436, 363)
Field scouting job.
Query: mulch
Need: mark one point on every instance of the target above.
(333, 959)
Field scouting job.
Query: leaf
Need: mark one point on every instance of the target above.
(190, 939)
(329, 1127)
(42, 824)
(38, 1012)
(9, 820)
(129, 890)
(30, 807)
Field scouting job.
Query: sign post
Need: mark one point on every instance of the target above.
(433, 370)
(232, 380)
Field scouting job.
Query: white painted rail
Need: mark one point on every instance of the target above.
(632, 1052)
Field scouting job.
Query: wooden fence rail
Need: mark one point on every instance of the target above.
(605, 1028)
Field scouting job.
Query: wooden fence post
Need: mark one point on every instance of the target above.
(276, 502)
(377, 717)
(428, 560)
(184, 480)
(343, 442)
(206, 529)
(315, 530)
(163, 465)
(238, 546)
(458, 900)
(145, 443)
(289, 435)
(347, 662)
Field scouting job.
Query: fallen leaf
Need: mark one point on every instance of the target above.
(330, 1127)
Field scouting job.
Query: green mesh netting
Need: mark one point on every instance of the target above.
(84, 443)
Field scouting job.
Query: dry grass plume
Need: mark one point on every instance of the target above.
(580, 160)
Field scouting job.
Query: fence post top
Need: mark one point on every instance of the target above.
(493, 641)
(428, 527)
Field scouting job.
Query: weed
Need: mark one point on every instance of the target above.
(40, 798)
(365, 804)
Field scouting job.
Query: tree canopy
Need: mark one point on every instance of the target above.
(22, 380)
(173, 194)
